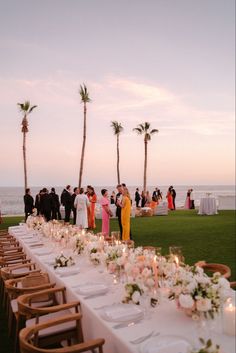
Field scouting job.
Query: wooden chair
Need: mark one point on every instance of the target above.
(10, 250)
(29, 337)
(29, 315)
(10, 259)
(212, 268)
(31, 283)
(14, 271)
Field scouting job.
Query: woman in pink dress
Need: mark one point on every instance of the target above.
(106, 213)
(187, 201)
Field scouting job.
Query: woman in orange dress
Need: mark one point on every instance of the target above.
(170, 199)
(91, 214)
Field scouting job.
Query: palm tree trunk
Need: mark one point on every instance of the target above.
(83, 148)
(145, 167)
(118, 160)
(24, 159)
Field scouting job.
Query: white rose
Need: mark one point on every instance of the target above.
(203, 304)
(146, 272)
(128, 267)
(202, 279)
(150, 282)
(191, 286)
(186, 301)
(223, 282)
(136, 297)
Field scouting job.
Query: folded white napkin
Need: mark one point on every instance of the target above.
(126, 313)
(44, 251)
(175, 347)
(67, 271)
(92, 288)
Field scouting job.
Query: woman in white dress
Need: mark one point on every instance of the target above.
(81, 204)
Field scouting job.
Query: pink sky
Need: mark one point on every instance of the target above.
(168, 76)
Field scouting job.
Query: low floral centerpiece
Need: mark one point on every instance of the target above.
(35, 222)
(94, 252)
(207, 347)
(132, 293)
(63, 261)
(197, 294)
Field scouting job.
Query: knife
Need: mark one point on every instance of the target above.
(128, 324)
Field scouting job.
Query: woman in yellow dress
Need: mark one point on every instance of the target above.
(125, 214)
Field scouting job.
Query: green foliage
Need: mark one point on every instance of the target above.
(25, 108)
(144, 129)
(117, 127)
(84, 94)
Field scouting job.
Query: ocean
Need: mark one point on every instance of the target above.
(11, 198)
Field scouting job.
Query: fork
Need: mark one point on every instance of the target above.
(144, 338)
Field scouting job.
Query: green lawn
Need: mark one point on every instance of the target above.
(210, 238)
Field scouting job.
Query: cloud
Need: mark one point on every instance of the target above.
(124, 99)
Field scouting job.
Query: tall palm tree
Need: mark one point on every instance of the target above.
(117, 129)
(84, 99)
(25, 109)
(144, 129)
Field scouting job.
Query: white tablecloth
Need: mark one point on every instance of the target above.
(165, 318)
(207, 206)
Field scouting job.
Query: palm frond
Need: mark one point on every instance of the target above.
(27, 105)
(154, 131)
(117, 127)
(84, 94)
(22, 106)
(146, 126)
(138, 130)
(32, 108)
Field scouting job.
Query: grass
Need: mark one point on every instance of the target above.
(209, 238)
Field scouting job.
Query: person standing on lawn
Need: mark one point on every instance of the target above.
(29, 203)
(173, 193)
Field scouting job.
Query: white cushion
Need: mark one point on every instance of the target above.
(54, 329)
(43, 304)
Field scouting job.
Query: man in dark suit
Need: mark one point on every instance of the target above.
(173, 193)
(55, 205)
(137, 197)
(66, 201)
(29, 203)
(46, 204)
(118, 208)
(73, 207)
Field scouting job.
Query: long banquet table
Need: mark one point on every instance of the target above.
(164, 318)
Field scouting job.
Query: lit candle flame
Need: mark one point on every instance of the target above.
(177, 261)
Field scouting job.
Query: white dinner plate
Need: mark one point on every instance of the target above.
(92, 289)
(67, 271)
(166, 344)
(122, 313)
(41, 252)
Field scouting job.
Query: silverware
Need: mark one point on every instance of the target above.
(128, 324)
(144, 338)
